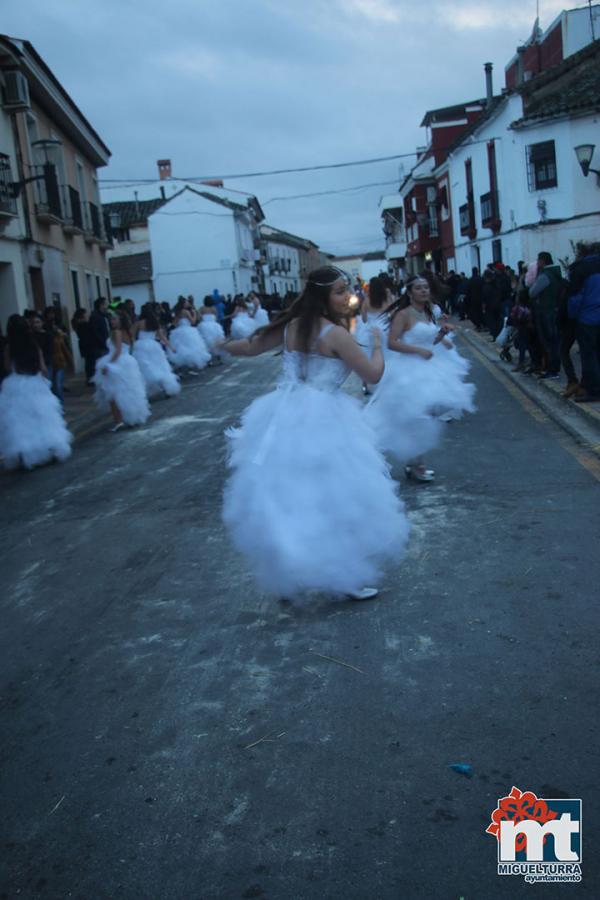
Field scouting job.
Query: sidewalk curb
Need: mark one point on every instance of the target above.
(580, 423)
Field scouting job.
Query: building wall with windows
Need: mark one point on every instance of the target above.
(282, 269)
(58, 227)
(543, 200)
(13, 288)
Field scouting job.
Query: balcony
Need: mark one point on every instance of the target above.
(73, 223)
(490, 210)
(48, 207)
(396, 250)
(391, 202)
(8, 203)
(93, 226)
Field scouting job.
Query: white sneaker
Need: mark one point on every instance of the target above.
(419, 474)
(117, 427)
(366, 593)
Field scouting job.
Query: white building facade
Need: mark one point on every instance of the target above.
(201, 240)
(517, 187)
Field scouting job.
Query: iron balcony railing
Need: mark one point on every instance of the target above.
(76, 211)
(47, 191)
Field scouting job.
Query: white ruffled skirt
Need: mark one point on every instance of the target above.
(211, 331)
(190, 349)
(310, 501)
(122, 384)
(154, 366)
(32, 426)
(412, 393)
(242, 326)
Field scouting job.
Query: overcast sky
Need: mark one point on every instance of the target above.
(234, 86)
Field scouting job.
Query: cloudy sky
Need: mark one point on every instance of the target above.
(223, 87)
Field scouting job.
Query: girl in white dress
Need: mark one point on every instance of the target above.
(256, 311)
(210, 329)
(306, 472)
(188, 349)
(119, 383)
(32, 426)
(372, 315)
(149, 353)
(243, 323)
(424, 376)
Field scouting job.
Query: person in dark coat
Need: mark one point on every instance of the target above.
(474, 301)
(99, 332)
(80, 323)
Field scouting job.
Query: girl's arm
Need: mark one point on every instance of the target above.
(42, 361)
(346, 348)
(259, 344)
(401, 324)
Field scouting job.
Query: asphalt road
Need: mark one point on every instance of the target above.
(139, 666)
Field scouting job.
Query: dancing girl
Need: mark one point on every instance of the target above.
(306, 473)
(424, 377)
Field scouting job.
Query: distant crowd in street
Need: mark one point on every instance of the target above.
(536, 312)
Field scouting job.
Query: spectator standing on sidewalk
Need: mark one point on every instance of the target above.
(545, 294)
(99, 329)
(474, 299)
(80, 323)
(584, 308)
(61, 358)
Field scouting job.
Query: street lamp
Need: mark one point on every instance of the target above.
(50, 150)
(584, 153)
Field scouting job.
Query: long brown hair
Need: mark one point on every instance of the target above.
(403, 301)
(310, 306)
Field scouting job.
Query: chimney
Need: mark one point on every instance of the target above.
(164, 168)
(489, 84)
(520, 65)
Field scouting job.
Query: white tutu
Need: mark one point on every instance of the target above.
(310, 501)
(414, 390)
(154, 365)
(261, 317)
(191, 351)
(123, 385)
(242, 326)
(210, 330)
(362, 331)
(32, 426)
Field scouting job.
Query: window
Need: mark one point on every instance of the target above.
(107, 295)
(497, 251)
(89, 289)
(98, 288)
(541, 166)
(75, 283)
(8, 204)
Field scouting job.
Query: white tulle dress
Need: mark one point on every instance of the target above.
(122, 384)
(32, 426)
(157, 373)
(261, 317)
(243, 325)
(211, 330)
(414, 391)
(362, 331)
(191, 350)
(310, 501)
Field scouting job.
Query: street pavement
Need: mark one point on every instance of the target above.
(169, 733)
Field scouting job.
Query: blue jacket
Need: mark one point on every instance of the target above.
(584, 306)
